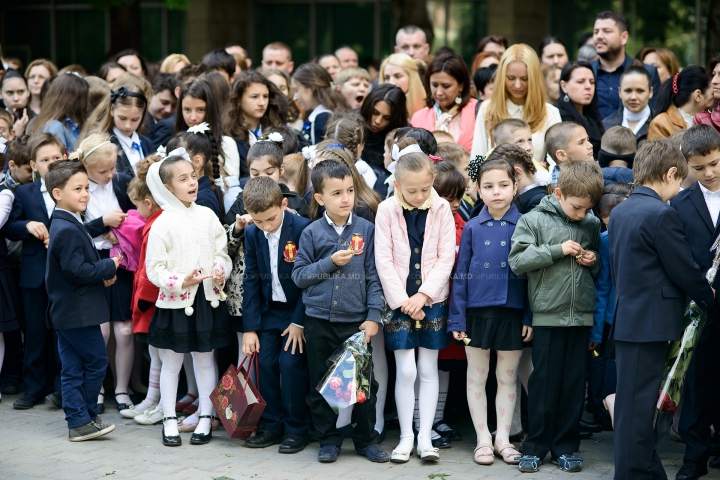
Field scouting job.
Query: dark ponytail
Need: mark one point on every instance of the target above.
(678, 89)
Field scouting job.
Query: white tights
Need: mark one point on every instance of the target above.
(172, 362)
(153, 393)
(407, 370)
(124, 354)
(380, 372)
(477, 374)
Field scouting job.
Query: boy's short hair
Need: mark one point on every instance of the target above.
(558, 137)
(18, 152)
(655, 158)
(325, 170)
(351, 72)
(676, 138)
(613, 195)
(261, 194)
(42, 139)
(503, 130)
(60, 172)
(5, 115)
(619, 140)
(442, 137)
(219, 59)
(700, 140)
(582, 179)
(164, 81)
(449, 182)
(452, 152)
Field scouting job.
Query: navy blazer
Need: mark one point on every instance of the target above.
(123, 164)
(595, 64)
(616, 119)
(29, 205)
(653, 270)
(120, 184)
(74, 275)
(163, 131)
(257, 282)
(243, 150)
(697, 223)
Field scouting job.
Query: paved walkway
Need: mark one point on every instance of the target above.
(33, 444)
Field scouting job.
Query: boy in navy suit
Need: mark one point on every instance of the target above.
(274, 315)
(699, 206)
(29, 221)
(654, 271)
(76, 279)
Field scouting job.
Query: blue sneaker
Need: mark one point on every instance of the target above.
(569, 463)
(328, 453)
(529, 464)
(374, 453)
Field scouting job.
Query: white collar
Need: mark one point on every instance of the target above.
(127, 140)
(707, 193)
(77, 217)
(103, 188)
(529, 187)
(317, 111)
(332, 224)
(43, 188)
(513, 108)
(276, 233)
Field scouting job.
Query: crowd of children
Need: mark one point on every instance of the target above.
(194, 222)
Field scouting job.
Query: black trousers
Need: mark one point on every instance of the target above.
(701, 392)
(323, 338)
(640, 368)
(41, 366)
(556, 390)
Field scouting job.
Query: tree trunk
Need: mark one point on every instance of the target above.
(125, 29)
(712, 45)
(413, 12)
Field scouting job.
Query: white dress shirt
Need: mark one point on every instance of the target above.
(77, 217)
(339, 229)
(7, 198)
(712, 200)
(131, 153)
(102, 201)
(278, 294)
(49, 204)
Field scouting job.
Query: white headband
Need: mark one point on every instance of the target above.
(161, 151)
(180, 152)
(85, 155)
(397, 154)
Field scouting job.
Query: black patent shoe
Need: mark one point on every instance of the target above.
(101, 405)
(173, 441)
(122, 406)
(202, 438)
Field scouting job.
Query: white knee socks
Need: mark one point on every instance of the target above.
(405, 395)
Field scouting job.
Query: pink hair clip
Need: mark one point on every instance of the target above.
(434, 159)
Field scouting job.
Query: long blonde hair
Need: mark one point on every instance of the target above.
(416, 92)
(534, 109)
(171, 60)
(94, 148)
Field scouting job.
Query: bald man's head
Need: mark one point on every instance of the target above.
(278, 56)
(347, 56)
(412, 40)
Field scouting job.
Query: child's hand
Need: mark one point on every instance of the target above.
(527, 333)
(21, 123)
(571, 248)
(193, 278)
(588, 258)
(296, 338)
(117, 262)
(46, 242)
(107, 283)
(114, 218)
(37, 230)
(241, 222)
(370, 328)
(251, 343)
(414, 304)
(459, 336)
(218, 277)
(342, 257)
(592, 346)
(111, 237)
(419, 315)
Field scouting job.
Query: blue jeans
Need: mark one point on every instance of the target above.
(84, 364)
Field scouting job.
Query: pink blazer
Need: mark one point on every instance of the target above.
(392, 251)
(425, 118)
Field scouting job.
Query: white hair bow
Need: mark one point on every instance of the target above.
(200, 128)
(309, 153)
(274, 137)
(180, 152)
(397, 153)
(161, 151)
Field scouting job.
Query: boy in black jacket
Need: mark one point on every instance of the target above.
(76, 278)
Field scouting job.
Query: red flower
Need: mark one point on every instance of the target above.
(224, 403)
(335, 383)
(227, 382)
(234, 417)
(668, 406)
(338, 393)
(361, 397)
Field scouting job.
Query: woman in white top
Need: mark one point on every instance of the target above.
(519, 93)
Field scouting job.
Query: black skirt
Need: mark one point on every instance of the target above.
(9, 295)
(236, 324)
(495, 328)
(205, 330)
(119, 294)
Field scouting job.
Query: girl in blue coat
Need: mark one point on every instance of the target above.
(487, 307)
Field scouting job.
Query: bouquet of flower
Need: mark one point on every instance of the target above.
(347, 380)
(680, 353)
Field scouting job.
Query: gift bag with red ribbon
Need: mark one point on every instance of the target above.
(237, 400)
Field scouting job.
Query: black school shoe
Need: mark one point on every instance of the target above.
(529, 464)
(328, 453)
(27, 402)
(374, 453)
(170, 440)
(263, 439)
(10, 386)
(569, 463)
(691, 471)
(292, 443)
(55, 398)
(202, 438)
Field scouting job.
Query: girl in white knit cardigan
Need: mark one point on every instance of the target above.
(187, 259)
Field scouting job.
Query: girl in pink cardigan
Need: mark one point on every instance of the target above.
(415, 244)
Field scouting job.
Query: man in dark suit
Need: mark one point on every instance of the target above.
(699, 207)
(610, 36)
(653, 271)
(29, 222)
(76, 278)
(162, 131)
(274, 315)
